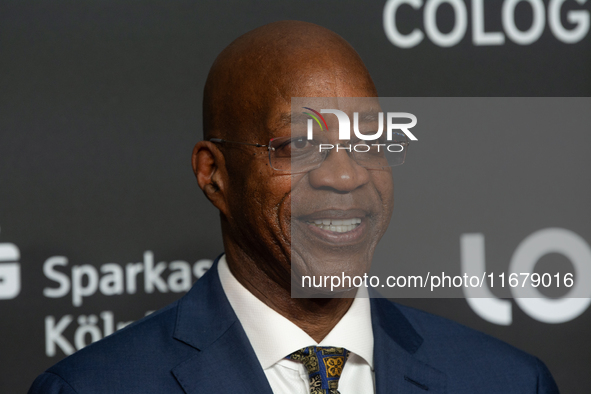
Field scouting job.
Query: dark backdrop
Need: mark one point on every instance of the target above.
(100, 106)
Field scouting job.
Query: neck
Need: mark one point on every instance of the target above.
(315, 316)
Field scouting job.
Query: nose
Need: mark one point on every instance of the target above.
(339, 172)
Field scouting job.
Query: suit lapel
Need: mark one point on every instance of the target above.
(224, 360)
(395, 343)
(228, 365)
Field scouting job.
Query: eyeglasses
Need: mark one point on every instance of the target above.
(296, 155)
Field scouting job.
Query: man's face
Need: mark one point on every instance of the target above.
(340, 210)
(288, 216)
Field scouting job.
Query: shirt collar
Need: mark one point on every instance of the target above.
(273, 337)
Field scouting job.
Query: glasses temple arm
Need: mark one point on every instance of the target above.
(236, 142)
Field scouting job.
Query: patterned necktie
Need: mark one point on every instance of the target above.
(324, 366)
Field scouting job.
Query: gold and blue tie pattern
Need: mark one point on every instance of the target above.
(324, 366)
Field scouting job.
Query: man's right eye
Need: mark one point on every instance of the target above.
(294, 147)
(299, 143)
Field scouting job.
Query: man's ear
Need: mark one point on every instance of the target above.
(210, 170)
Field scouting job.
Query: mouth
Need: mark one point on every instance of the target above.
(336, 225)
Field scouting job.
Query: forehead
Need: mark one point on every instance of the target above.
(319, 90)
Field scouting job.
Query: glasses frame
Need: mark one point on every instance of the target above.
(271, 149)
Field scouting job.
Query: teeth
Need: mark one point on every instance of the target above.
(337, 225)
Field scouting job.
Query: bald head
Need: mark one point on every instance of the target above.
(271, 64)
(248, 99)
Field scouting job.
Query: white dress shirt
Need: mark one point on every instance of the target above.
(273, 337)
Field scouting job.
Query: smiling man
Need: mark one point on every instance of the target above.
(239, 329)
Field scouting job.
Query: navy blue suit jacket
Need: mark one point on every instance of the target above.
(197, 345)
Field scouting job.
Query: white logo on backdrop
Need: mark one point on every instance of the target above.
(111, 279)
(528, 297)
(10, 271)
(578, 17)
(70, 333)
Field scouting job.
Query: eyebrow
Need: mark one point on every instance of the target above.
(287, 118)
(368, 116)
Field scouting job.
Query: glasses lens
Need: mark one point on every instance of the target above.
(294, 154)
(298, 154)
(381, 153)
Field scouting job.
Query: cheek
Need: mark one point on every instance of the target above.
(273, 200)
(384, 185)
(282, 189)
